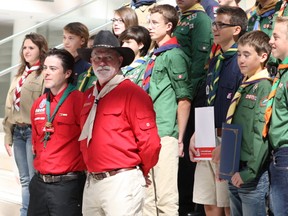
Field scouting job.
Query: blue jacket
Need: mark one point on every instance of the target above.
(210, 7)
(229, 81)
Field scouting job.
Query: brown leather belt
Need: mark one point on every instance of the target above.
(59, 178)
(103, 175)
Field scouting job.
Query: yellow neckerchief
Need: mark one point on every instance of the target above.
(261, 10)
(196, 7)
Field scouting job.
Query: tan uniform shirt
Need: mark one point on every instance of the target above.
(32, 88)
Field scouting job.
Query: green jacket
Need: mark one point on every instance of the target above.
(135, 72)
(278, 130)
(266, 24)
(194, 34)
(250, 115)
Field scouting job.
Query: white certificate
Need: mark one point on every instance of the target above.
(204, 133)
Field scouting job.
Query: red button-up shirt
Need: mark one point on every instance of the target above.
(124, 132)
(62, 153)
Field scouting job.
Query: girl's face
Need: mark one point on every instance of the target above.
(118, 25)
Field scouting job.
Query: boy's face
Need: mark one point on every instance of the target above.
(279, 41)
(249, 61)
(132, 44)
(185, 4)
(158, 28)
(222, 32)
(72, 42)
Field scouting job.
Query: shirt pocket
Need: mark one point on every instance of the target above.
(114, 117)
(33, 88)
(145, 121)
(65, 124)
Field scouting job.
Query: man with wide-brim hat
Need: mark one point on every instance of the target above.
(119, 138)
(104, 39)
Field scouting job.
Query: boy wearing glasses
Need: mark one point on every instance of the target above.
(223, 79)
(167, 81)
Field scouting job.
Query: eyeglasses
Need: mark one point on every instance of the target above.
(220, 25)
(117, 20)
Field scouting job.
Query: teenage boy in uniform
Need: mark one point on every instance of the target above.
(194, 34)
(278, 120)
(249, 187)
(167, 81)
(224, 78)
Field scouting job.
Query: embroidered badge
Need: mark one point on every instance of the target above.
(251, 97)
(87, 104)
(263, 101)
(255, 87)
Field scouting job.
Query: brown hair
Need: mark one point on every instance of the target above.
(128, 15)
(258, 40)
(41, 42)
(79, 29)
(168, 12)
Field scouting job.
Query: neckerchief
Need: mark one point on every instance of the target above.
(50, 118)
(213, 87)
(17, 93)
(86, 79)
(89, 123)
(133, 65)
(262, 10)
(195, 8)
(276, 82)
(170, 44)
(261, 75)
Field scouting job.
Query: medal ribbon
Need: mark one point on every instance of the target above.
(68, 90)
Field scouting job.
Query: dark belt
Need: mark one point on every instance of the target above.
(59, 178)
(22, 125)
(101, 176)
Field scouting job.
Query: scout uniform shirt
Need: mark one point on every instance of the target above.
(278, 135)
(61, 154)
(32, 89)
(194, 34)
(264, 18)
(249, 114)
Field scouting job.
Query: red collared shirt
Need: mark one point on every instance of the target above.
(124, 133)
(62, 153)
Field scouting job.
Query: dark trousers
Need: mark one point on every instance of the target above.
(186, 167)
(56, 199)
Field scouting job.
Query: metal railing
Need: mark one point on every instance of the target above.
(43, 23)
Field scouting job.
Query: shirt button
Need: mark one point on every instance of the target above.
(148, 124)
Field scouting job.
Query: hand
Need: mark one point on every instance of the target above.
(192, 150)
(180, 149)
(8, 149)
(216, 154)
(236, 180)
(148, 181)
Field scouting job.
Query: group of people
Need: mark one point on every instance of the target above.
(105, 126)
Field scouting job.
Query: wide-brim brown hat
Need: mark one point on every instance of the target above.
(106, 39)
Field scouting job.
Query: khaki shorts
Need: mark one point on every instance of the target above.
(207, 190)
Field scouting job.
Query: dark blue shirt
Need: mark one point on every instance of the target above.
(210, 7)
(229, 81)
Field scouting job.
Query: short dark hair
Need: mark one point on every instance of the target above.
(258, 40)
(67, 61)
(169, 13)
(138, 33)
(79, 29)
(237, 15)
